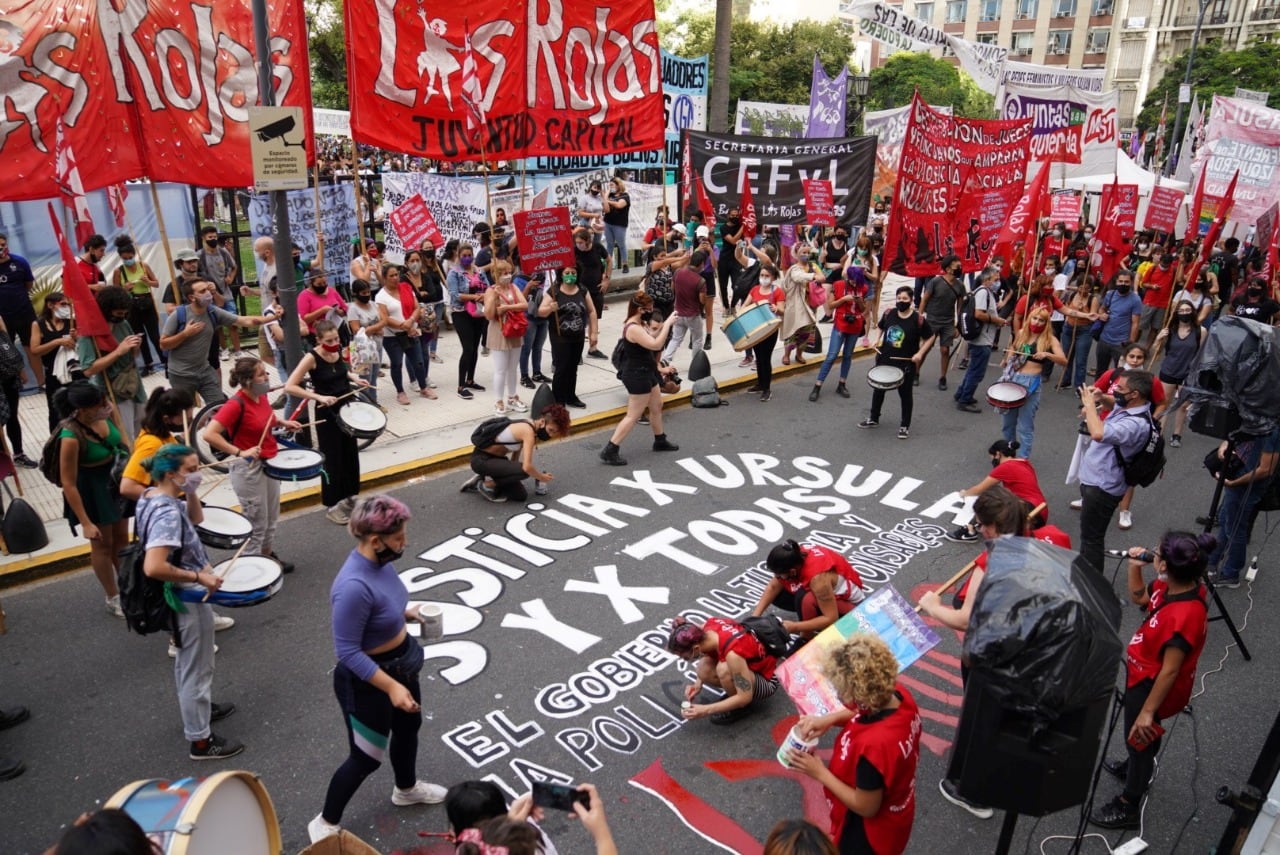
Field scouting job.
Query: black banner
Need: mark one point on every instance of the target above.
(776, 169)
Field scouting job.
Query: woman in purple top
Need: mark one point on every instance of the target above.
(376, 680)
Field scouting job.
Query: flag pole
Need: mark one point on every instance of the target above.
(164, 239)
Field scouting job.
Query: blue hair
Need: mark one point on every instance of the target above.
(168, 458)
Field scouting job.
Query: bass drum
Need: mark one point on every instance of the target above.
(229, 812)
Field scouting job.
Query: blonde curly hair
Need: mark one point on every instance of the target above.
(863, 671)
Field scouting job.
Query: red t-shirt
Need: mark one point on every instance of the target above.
(1052, 246)
(1156, 285)
(1018, 475)
(93, 275)
(688, 286)
(245, 421)
(758, 295)
(1107, 385)
(745, 645)
(817, 560)
(889, 742)
(1182, 621)
(843, 287)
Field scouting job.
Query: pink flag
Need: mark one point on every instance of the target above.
(747, 206)
(72, 189)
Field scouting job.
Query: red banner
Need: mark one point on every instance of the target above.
(545, 239)
(1064, 207)
(159, 89)
(747, 207)
(957, 182)
(414, 224)
(819, 202)
(556, 79)
(1021, 224)
(1162, 209)
(1119, 207)
(89, 319)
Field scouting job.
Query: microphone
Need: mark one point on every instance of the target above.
(1146, 557)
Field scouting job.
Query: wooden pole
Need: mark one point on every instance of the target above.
(164, 240)
(947, 585)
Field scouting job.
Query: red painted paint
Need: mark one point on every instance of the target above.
(950, 676)
(936, 744)
(696, 813)
(943, 658)
(941, 718)
(816, 809)
(928, 691)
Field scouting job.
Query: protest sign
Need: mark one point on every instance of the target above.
(1069, 125)
(545, 240)
(456, 204)
(414, 223)
(1241, 136)
(886, 614)
(1064, 207)
(819, 202)
(337, 224)
(1163, 208)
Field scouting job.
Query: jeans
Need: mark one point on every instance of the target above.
(1141, 763)
(259, 501)
(401, 349)
(979, 356)
(1076, 342)
(1235, 521)
(439, 309)
(1108, 355)
(904, 394)
(836, 343)
(616, 236)
(193, 669)
(692, 326)
(1097, 508)
(535, 338)
(1020, 424)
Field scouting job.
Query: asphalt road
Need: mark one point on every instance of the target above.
(542, 674)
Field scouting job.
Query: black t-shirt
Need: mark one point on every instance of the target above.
(727, 247)
(618, 216)
(591, 265)
(1228, 268)
(902, 336)
(1264, 311)
(832, 254)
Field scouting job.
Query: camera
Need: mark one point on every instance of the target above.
(849, 318)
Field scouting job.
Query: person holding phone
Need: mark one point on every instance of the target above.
(1160, 668)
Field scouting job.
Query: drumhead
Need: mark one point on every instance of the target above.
(296, 458)
(250, 573)
(363, 416)
(225, 521)
(1006, 391)
(885, 374)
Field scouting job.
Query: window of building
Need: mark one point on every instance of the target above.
(1099, 8)
(957, 11)
(1059, 42)
(924, 12)
(1026, 8)
(989, 10)
(1022, 44)
(987, 38)
(1099, 40)
(1064, 8)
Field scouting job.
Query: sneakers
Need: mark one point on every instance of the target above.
(706, 345)
(470, 485)
(113, 606)
(968, 407)
(942, 384)
(173, 650)
(215, 748)
(499, 409)
(490, 494)
(465, 394)
(1116, 813)
(286, 567)
(435, 357)
(318, 829)
(1116, 768)
(420, 793)
(516, 405)
(337, 515)
(963, 534)
(723, 718)
(577, 404)
(746, 362)
(526, 381)
(539, 377)
(595, 353)
(952, 794)
(869, 423)
(475, 387)
(484, 351)
(903, 433)
(221, 622)
(1126, 520)
(26, 462)
(217, 712)
(13, 717)
(766, 395)
(1224, 580)
(1175, 441)
(1077, 504)
(644, 419)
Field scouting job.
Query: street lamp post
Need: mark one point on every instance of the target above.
(1175, 145)
(859, 86)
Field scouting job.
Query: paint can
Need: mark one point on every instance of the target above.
(795, 741)
(431, 617)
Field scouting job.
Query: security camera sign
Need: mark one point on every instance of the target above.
(277, 143)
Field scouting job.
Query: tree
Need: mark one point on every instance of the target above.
(940, 83)
(328, 53)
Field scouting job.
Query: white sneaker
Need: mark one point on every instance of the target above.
(1077, 504)
(421, 793)
(1126, 520)
(113, 606)
(221, 622)
(173, 651)
(516, 405)
(499, 409)
(318, 829)
(746, 362)
(338, 514)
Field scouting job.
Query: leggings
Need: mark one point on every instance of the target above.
(375, 727)
(508, 475)
(51, 386)
(763, 352)
(566, 353)
(506, 372)
(13, 427)
(904, 394)
(143, 317)
(470, 331)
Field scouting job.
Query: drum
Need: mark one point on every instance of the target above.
(361, 420)
(752, 324)
(226, 812)
(223, 528)
(294, 464)
(252, 580)
(885, 377)
(1007, 395)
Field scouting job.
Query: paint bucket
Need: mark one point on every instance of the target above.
(795, 741)
(431, 618)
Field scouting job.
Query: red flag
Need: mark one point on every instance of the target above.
(704, 202)
(116, 194)
(1021, 224)
(1109, 240)
(1223, 212)
(89, 318)
(747, 207)
(69, 184)
(472, 92)
(1193, 215)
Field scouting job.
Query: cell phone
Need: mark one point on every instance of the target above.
(1137, 746)
(559, 796)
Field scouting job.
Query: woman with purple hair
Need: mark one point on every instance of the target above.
(728, 657)
(376, 681)
(1160, 667)
(847, 303)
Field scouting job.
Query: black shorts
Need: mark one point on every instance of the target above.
(638, 382)
(19, 325)
(1172, 381)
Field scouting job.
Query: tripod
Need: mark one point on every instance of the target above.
(1210, 524)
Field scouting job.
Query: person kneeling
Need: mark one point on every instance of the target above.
(503, 455)
(729, 657)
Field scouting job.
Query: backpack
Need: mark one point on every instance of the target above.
(619, 349)
(181, 312)
(706, 393)
(51, 454)
(142, 598)
(968, 324)
(659, 285)
(10, 359)
(767, 630)
(1147, 465)
(487, 432)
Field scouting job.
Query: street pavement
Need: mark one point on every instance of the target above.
(551, 665)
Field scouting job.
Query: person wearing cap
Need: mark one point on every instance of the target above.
(590, 211)
(187, 265)
(188, 333)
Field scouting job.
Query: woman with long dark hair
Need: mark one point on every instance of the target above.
(574, 322)
(1181, 339)
(137, 278)
(401, 315)
(51, 332)
(467, 285)
(431, 294)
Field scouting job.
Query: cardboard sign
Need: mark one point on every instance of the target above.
(1163, 208)
(414, 224)
(1064, 207)
(545, 239)
(819, 202)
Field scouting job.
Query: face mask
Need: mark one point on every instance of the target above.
(542, 434)
(1255, 292)
(204, 299)
(1057, 233)
(995, 461)
(190, 481)
(645, 317)
(955, 272)
(904, 305)
(331, 348)
(210, 241)
(362, 298)
(1088, 235)
(373, 253)
(1121, 399)
(63, 312)
(1124, 289)
(466, 261)
(1036, 327)
(385, 555)
(129, 262)
(862, 252)
(318, 287)
(1184, 319)
(260, 388)
(570, 279)
(1050, 270)
(766, 281)
(803, 258)
(415, 266)
(1142, 247)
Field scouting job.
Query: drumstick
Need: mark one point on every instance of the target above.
(309, 424)
(213, 484)
(226, 570)
(1035, 512)
(960, 574)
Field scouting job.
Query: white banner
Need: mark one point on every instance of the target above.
(1069, 126)
(762, 119)
(893, 27)
(335, 123)
(1030, 74)
(1252, 95)
(457, 204)
(984, 63)
(337, 224)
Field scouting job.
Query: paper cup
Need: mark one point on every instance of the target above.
(795, 741)
(431, 617)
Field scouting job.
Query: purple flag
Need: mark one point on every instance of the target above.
(827, 100)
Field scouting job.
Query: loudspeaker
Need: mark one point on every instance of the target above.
(1214, 419)
(1009, 761)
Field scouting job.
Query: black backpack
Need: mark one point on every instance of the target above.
(768, 631)
(10, 358)
(1147, 465)
(141, 597)
(487, 432)
(967, 323)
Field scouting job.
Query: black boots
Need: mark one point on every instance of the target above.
(842, 390)
(813, 396)
(661, 443)
(609, 454)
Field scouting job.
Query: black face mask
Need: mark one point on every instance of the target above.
(386, 554)
(210, 241)
(1124, 289)
(542, 434)
(363, 298)
(646, 316)
(1186, 319)
(319, 286)
(995, 461)
(1122, 399)
(904, 305)
(1255, 292)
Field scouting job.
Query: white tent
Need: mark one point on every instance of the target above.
(1127, 172)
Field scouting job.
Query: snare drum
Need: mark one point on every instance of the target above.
(252, 580)
(752, 324)
(1007, 395)
(223, 528)
(226, 812)
(361, 420)
(294, 464)
(885, 377)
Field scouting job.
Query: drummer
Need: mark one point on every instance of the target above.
(1033, 347)
(240, 429)
(330, 385)
(167, 528)
(905, 340)
(769, 292)
(502, 467)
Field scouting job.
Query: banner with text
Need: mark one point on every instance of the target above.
(545, 239)
(957, 181)
(159, 88)
(456, 205)
(1069, 125)
(571, 79)
(414, 223)
(1031, 74)
(776, 169)
(1163, 208)
(761, 119)
(337, 224)
(1064, 207)
(1245, 136)
(889, 128)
